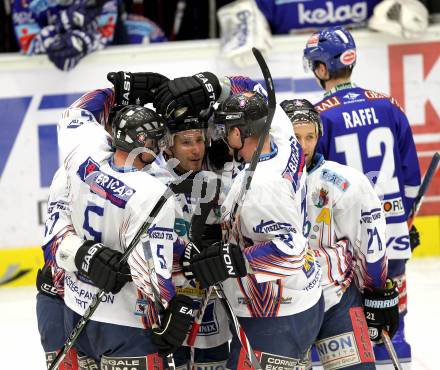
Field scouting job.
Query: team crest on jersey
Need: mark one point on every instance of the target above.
(320, 197)
(104, 185)
(340, 182)
(309, 263)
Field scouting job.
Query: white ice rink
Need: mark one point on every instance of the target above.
(20, 347)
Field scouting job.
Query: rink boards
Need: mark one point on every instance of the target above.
(36, 95)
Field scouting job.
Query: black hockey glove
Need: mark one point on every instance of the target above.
(219, 154)
(382, 311)
(414, 238)
(135, 88)
(187, 95)
(45, 282)
(218, 263)
(102, 266)
(175, 325)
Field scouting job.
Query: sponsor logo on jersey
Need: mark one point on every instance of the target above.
(104, 185)
(209, 325)
(348, 57)
(369, 217)
(338, 351)
(313, 41)
(372, 95)
(282, 300)
(352, 97)
(328, 104)
(268, 227)
(275, 362)
(320, 197)
(356, 12)
(393, 207)
(340, 182)
(75, 123)
(309, 263)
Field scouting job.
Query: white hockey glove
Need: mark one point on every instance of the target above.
(243, 26)
(404, 18)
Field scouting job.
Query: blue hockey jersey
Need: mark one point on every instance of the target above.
(369, 131)
(286, 16)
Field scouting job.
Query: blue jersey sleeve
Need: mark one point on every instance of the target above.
(242, 83)
(410, 168)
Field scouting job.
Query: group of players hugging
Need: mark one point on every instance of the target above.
(306, 265)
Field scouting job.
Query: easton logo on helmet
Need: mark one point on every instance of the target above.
(348, 57)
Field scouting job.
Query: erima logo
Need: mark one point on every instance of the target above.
(87, 258)
(351, 96)
(227, 259)
(356, 13)
(127, 86)
(381, 304)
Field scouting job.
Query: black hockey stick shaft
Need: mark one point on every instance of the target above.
(244, 188)
(427, 179)
(96, 300)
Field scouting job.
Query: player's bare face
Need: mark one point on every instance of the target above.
(307, 138)
(189, 149)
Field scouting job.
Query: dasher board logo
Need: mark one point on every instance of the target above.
(393, 207)
(338, 351)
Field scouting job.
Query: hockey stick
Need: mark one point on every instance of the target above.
(391, 351)
(429, 175)
(238, 203)
(97, 298)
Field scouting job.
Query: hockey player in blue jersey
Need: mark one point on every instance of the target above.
(352, 256)
(368, 130)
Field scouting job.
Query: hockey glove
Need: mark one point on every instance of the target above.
(76, 16)
(45, 282)
(187, 95)
(414, 238)
(382, 311)
(102, 266)
(175, 325)
(218, 263)
(135, 88)
(68, 49)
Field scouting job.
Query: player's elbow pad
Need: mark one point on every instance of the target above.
(66, 252)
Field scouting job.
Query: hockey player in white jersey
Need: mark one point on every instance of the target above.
(346, 229)
(109, 199)
(273, 285)
(187, 147)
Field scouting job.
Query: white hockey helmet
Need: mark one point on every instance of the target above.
(404, 18)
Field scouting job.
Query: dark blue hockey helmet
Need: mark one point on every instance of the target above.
(333, 46)
(301, 111)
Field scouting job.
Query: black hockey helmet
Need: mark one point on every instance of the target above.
(300, 111)
(135, 126)
(246, 110)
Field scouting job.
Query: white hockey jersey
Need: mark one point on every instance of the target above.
(213, 330)
(345, 227)
(108, 204)
(284, 278)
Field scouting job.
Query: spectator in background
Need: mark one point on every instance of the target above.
(68, 30)
(7, 39)
(65, 30)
